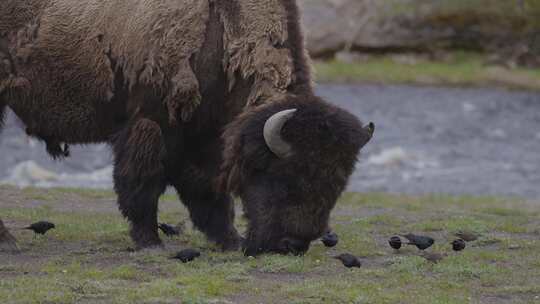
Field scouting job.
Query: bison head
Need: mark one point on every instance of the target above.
(289, 161)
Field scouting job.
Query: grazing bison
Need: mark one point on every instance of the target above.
(212, 97)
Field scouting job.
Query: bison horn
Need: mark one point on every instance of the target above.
(370, 128)
(272, 133)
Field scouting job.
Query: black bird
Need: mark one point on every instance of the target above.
(40, 227)
(395, 242)
(187, 255)
(330, 239)
(169, 230)
(458, 245)
(420, 241)
(467, 236)
(349, 260)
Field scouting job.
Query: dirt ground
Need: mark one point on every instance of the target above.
(88, 257)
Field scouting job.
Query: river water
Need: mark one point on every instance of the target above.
(428, 139)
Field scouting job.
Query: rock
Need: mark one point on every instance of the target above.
(381, 26)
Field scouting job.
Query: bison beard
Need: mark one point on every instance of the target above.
(211, 97)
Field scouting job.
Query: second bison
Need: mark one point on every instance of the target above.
(211, 97)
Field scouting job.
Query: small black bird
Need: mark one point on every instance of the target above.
(40, 227)
(169, 230)
(330, 239)
(467, 236)
(395, 242)
(349, 260)
(420, 241)
(458, 245)
(187, 255)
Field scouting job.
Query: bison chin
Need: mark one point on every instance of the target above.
(289, 162)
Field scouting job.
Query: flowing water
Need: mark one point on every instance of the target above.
(428, 139)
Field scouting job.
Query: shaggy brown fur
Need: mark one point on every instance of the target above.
(151, 44)
(123, 71)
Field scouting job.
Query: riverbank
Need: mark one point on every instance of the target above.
(457, 69)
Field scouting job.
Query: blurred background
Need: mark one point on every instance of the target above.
(452, 85)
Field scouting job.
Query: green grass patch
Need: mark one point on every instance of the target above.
(461, 69)
(86, 258)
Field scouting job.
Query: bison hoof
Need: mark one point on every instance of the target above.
(231, 243)
(146, 241)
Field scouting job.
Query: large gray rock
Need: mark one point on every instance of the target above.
(334, 25)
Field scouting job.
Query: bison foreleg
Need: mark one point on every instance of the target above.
(139, 179)
(211, 213)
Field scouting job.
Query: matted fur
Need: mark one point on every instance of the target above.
(254, 32)
(149, 42)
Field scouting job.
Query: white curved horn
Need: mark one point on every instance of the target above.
(272, 133)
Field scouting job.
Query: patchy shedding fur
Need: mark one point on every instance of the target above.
(255, 31)
(87, 43)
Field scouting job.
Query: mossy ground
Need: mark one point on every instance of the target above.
(86, 259)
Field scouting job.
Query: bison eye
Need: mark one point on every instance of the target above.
(323, 126)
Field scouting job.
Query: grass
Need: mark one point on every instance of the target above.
(85, 260)
(459, 69)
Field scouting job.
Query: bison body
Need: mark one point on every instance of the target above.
(211, 97)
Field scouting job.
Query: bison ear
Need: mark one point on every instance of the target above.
(272, 133)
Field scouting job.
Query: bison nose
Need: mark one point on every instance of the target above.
(294, 246)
